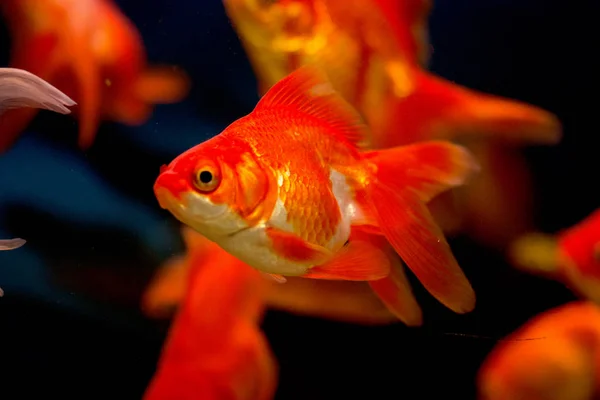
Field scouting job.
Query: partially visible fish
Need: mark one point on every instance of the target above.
(345, 301)
(572, 256)
(20, 88)
(554, 356)
(215, 349)
(95, 54)
(374, 52)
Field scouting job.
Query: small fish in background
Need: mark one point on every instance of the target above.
(554, 356)
(571, 256)
(344, 301)
(215, 349)
(286, 190)
(92, 51)
(375, 52)
(22, 89)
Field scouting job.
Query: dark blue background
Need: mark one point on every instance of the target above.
(70, 324)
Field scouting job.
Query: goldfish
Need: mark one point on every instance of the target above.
(375, 53)
(554, 356)
(571, 256)
(344, 301)
(214, 348)
(20, 88)
(287, 190)
(92, 51)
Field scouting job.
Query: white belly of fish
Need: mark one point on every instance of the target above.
(254, 247)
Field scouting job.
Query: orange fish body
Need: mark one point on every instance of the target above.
(373, 51)
(286, 190)
(346, 301)
(215, 349)
(92, 52)
(572, 256)
(554, 356)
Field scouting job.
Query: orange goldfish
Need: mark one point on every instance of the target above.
(215, 349)
(286, 190)
(554, 356)
(572, 256)
(20, 88)
(89, 48)
(345, 301)
(374, 52)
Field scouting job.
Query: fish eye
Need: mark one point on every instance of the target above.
(206, 179)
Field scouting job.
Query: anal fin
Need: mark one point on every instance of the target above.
(395, 292)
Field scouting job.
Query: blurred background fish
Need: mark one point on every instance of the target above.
(71, 320)
(19, 89)
(571, 256)
(554, 356)
(92, 51)
(215, 348)
(375, 52)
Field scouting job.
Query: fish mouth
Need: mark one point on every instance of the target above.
(165, 198)
(168, 201)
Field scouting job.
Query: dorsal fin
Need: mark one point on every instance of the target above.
(308, 90)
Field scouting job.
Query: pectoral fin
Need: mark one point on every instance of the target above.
(294, 248)
(359, 260)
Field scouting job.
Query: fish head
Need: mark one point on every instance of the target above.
(218, 188)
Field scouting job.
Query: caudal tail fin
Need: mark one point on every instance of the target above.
(467, 111)
(11, 244)
(20, 88)
(438, 109)
(406, 178)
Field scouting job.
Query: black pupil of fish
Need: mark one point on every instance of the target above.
(205, 177)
